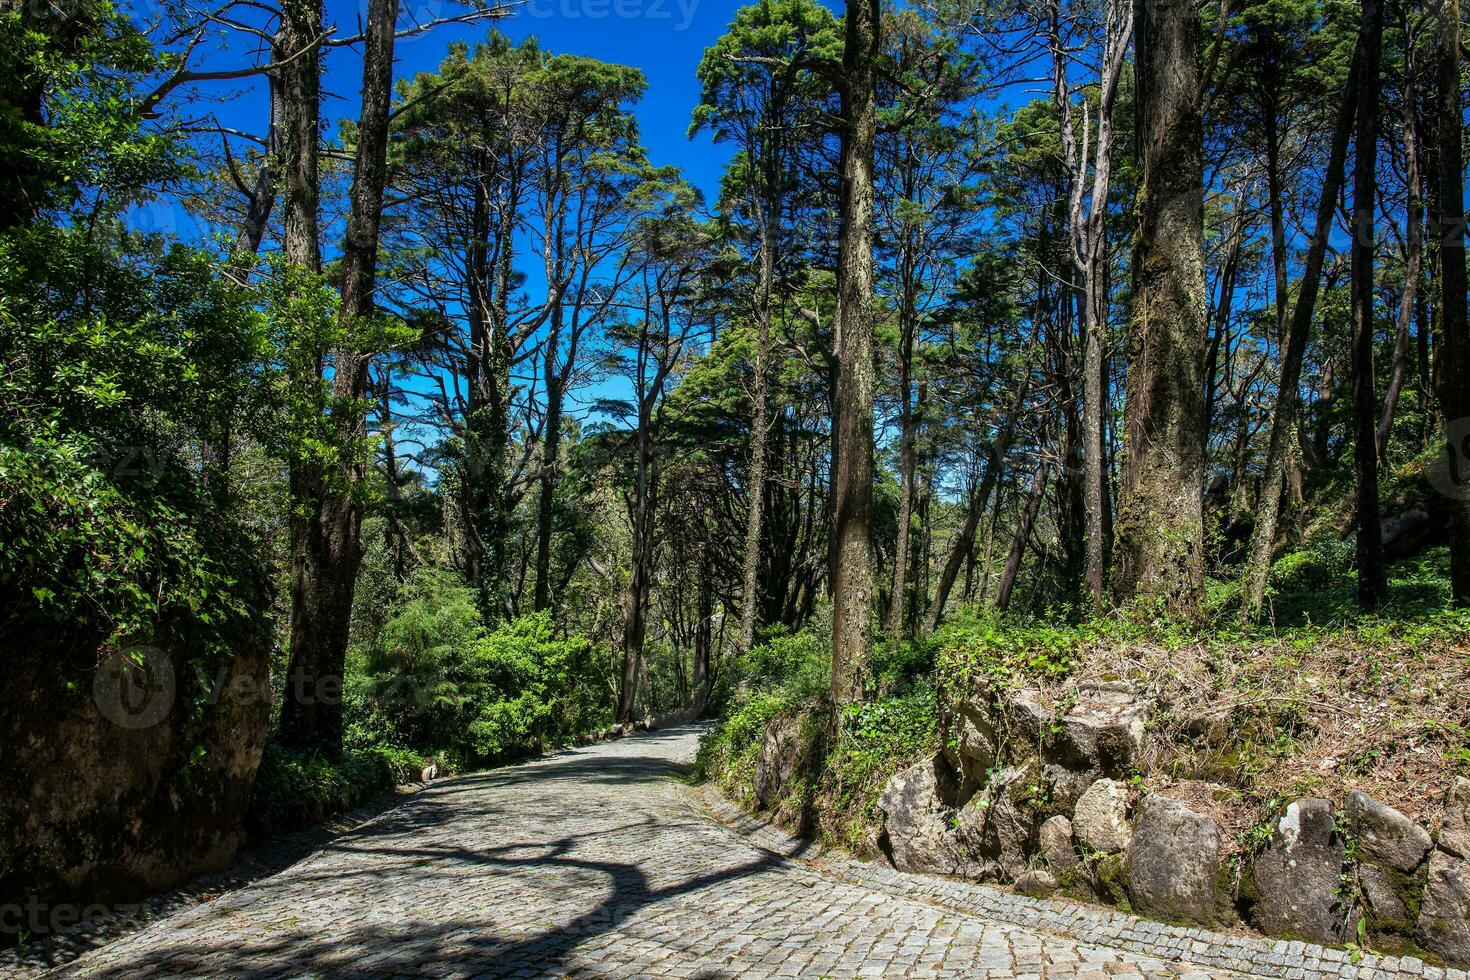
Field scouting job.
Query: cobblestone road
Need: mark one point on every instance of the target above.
(597, 861)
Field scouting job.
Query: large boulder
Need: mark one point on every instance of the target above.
(1100, 736)
(1454, 821)
(783, 753)
(1385, 835)
(996, 829)
(971, 745)
(1444, 919)
(1174, 863)
(919, 821)
(1100, 821)
(1105, 727)
(1390, 900)
(1297, 881)
(1037, 883)
(1058, 846)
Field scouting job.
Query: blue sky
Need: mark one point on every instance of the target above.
(663, 38)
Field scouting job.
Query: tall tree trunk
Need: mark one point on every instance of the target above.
(635, 600)
(1283, 419)
(852, 424)
(1023, 534)
(759, 430)
(1454, 356)
(1224, 302)
(704, 633)
(546, 502)
(965, 540)
(1096, 498)
(299, 80)
(1413, 227)
(1160, 527)
(333, 550)
(906, 463)
(395, 532)
(1372, 575)
(487, 416)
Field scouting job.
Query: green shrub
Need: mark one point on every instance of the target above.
(982, 643)
(730, 747)
(879, 738)
(800, 664)
(295, 789)
(435, 681)
(531, 689)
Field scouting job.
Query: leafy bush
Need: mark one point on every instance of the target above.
(434, 680)
(799, 664)
(727, 751)
(122, 358)
(296, 789)
(878, 739)
(531, 689)
(981, 642)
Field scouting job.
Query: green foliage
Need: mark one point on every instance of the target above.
(532, 689)
(121, 356)
(878, 739)
(296, 789)
(729, 748)
(1317, 585)
(435, 680)
(797, 664)
(901, 727)
(982, 643)
(68, 134)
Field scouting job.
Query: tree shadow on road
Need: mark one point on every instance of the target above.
(494, 942)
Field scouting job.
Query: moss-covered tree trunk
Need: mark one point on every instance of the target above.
(1160, 531)
(852, 422)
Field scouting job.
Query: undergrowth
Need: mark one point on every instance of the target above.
(1317, 700)
(295, 789)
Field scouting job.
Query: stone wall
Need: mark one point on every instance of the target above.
(127, 771)
(1038, 792)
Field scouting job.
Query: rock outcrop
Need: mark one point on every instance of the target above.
(1100, 821)
(1385, 835)
(1454, 821)
(1298, 880)
(135, 780)
(1444, 919)
(1058, 846)
(1032, 789)
(996, 829)
(1174, 863)
(784, 751)
(919, 821)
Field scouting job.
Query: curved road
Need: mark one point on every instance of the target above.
(594, 861)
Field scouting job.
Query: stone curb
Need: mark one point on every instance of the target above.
(1287, 960)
